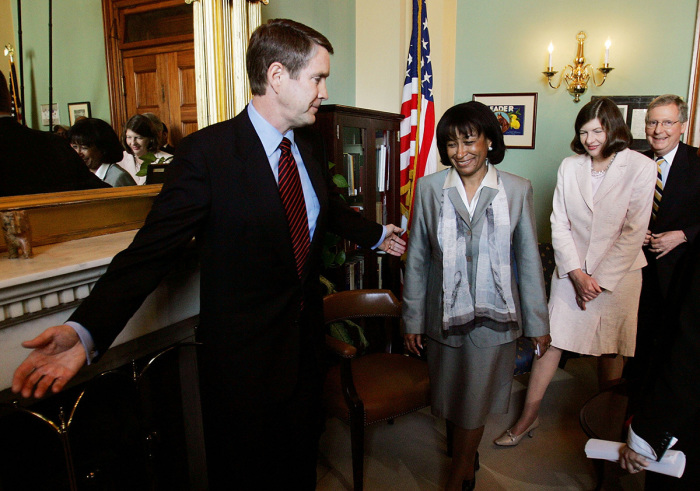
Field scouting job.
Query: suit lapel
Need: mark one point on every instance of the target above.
(675, 183)
(583, 178)
(457, 202)
(262, 189)
(678, 171)
(613, 176)
(318, 181)
(249, 149)
(485, 198)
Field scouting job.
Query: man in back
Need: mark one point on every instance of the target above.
(674, 224)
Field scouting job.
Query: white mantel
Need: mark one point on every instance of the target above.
(43, 291)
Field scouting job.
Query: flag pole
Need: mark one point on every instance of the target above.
(416, 157)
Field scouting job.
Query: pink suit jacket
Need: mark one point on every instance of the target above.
(602, 233)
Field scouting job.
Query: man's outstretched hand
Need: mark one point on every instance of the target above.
(393, 243)
(58, 355)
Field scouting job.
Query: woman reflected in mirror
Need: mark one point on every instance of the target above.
(141, 139)
(98, 145)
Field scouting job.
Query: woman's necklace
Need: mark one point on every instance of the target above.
(600, 173)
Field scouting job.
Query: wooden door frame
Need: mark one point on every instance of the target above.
(114, 52)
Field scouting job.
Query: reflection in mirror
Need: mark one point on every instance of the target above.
(79, 63)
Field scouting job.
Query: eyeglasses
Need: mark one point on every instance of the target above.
(665, 124)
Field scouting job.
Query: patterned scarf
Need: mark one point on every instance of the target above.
(492, 296)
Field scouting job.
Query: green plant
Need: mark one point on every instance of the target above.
(149, 159)
(333, 254)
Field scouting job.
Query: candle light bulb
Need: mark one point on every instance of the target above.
(550, 48)
(607, 51)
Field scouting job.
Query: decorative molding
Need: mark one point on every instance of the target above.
(61, 217)
(42, 296)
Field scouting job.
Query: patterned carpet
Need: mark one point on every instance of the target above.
(410, 455)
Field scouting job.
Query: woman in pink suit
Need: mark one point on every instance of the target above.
(601, 210)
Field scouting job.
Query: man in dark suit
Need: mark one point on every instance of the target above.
(670, 410)
(674, 225)
(35, 161)
(261, 319)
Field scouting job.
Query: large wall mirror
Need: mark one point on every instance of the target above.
(88, 54)
(125, 57)
(132, 56)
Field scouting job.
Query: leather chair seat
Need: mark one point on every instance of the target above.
(381, 377)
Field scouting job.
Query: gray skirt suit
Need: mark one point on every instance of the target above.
(472, 372)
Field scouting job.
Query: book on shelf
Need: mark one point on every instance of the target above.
(354, 172)
(354, 269)
(349, 174)
(381, 209)
(381, 168)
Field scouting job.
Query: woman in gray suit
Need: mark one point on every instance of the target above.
(99, 147)
(472, 225)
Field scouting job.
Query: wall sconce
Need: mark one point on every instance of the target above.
(576, 77)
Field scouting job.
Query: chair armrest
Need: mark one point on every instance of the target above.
(340, 348)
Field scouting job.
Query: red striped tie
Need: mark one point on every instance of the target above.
(293, 200)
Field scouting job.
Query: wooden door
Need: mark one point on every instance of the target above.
(150, 63)
(163, 84)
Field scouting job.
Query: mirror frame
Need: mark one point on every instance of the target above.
(71, 215)
(692, 135)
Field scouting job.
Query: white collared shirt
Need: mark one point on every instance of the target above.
(454, 180)
(101, 171)
(271, 139)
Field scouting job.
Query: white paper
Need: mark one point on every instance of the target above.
(638, 124)
(672, 463)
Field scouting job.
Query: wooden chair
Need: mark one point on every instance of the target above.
(603, 417)
(364, 389)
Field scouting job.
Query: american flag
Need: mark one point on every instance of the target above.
(418, 152)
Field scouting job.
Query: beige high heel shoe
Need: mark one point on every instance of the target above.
(508, 439)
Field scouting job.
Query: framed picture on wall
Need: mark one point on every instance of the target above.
(517, 114)
(55, 117)
(634, 112)
(78, 110)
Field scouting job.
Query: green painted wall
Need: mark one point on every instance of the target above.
(502, 47)
(79, 70)
(336, 21)
(79, 67)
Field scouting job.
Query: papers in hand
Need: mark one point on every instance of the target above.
(672, 463)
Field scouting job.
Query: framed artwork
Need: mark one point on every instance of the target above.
(55, 119)
(78, 110)
(517, 114)
(634, 112)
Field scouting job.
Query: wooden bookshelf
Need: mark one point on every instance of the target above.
(364, 146)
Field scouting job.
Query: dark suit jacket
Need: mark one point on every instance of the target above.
(221, 190)
(679, 210)
(38, 162)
